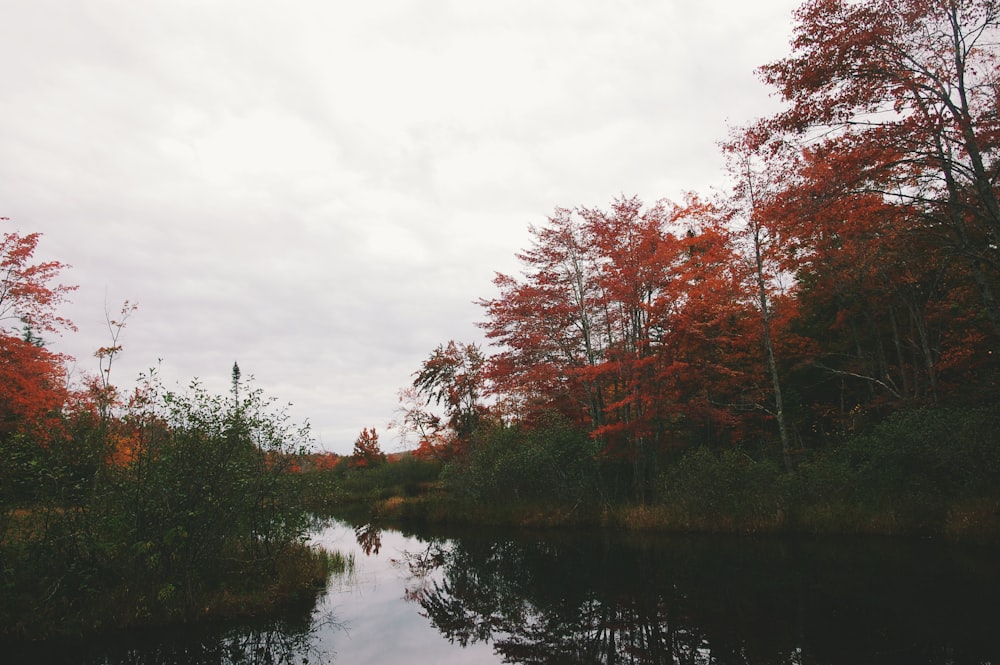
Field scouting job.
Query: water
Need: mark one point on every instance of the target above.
(547, 597)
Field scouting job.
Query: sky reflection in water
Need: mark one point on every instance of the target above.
(378, 625)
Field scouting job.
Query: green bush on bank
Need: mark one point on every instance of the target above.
(919, 472)
(191, 512)
(328, 489)
(728, 491)
(548, 462)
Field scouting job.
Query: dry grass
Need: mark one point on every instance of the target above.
(974, 519)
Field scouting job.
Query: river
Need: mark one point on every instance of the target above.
(488, 596)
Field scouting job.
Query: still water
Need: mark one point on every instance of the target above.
(553, 597)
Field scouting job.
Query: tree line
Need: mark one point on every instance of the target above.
(846, 275)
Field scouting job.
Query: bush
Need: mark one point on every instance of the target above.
(550, 461)
(191, 501)
(205, 483)
(729, 491)
(910, 474)
(954, 452)
(915, 463)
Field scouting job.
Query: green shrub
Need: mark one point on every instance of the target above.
(550, 461)
(190, 501)
(915, 463)
(728, 491)
(905, 476)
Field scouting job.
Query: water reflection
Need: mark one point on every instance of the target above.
(369, 538)
(694, 600)
(485, 597)
(294, 639)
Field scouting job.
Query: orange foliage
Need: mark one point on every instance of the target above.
(33, 389)
(366, 449)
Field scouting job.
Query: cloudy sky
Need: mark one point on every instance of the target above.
(321, 189)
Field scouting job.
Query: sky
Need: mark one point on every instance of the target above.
(321, 190)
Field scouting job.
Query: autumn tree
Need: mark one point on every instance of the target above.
(755, 187)
(367, 452)
(28, 296)
(870, 284)
(453, 377)
(619, 321)
(907, 92)
(32, 378)
(636, 257)
(548, 325)
(435, 440)
(713, 333)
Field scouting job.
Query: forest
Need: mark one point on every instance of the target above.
(813, 348)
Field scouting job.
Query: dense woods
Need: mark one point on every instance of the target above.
(816, 347)
(831, 314)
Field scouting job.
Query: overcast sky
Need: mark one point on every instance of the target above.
(320, 189)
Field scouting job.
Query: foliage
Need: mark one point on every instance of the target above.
(551, 461)
(367, 452)
(334, 489)
(33, 390)
(27, 295)
(188, 502)
(452, 377)
(916, 464)
(849, 272)
(632, 323)
(33, 384)
(912, 474)
(727, 491)
(207, 475)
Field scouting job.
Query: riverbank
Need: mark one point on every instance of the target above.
(35, 609)
(973, 521)
(929, 473)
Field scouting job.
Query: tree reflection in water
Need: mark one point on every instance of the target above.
(283, 642)
(369, 537)
(709, 600)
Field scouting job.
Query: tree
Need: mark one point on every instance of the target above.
(103, 392)
(907, 91)
(33, 390)
(714, 335)
(367, 452)
(753, 193)
(33, 387)
(27, 295)
(616, 318)
(435, 440)
(636, 258)
(871, 279)
(549, 325)
(454, 377)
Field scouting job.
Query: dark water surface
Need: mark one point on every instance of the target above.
(554, 597)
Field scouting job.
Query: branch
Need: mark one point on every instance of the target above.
(839, 372)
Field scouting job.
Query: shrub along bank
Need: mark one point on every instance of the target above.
(179, 508)
(925, 472)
